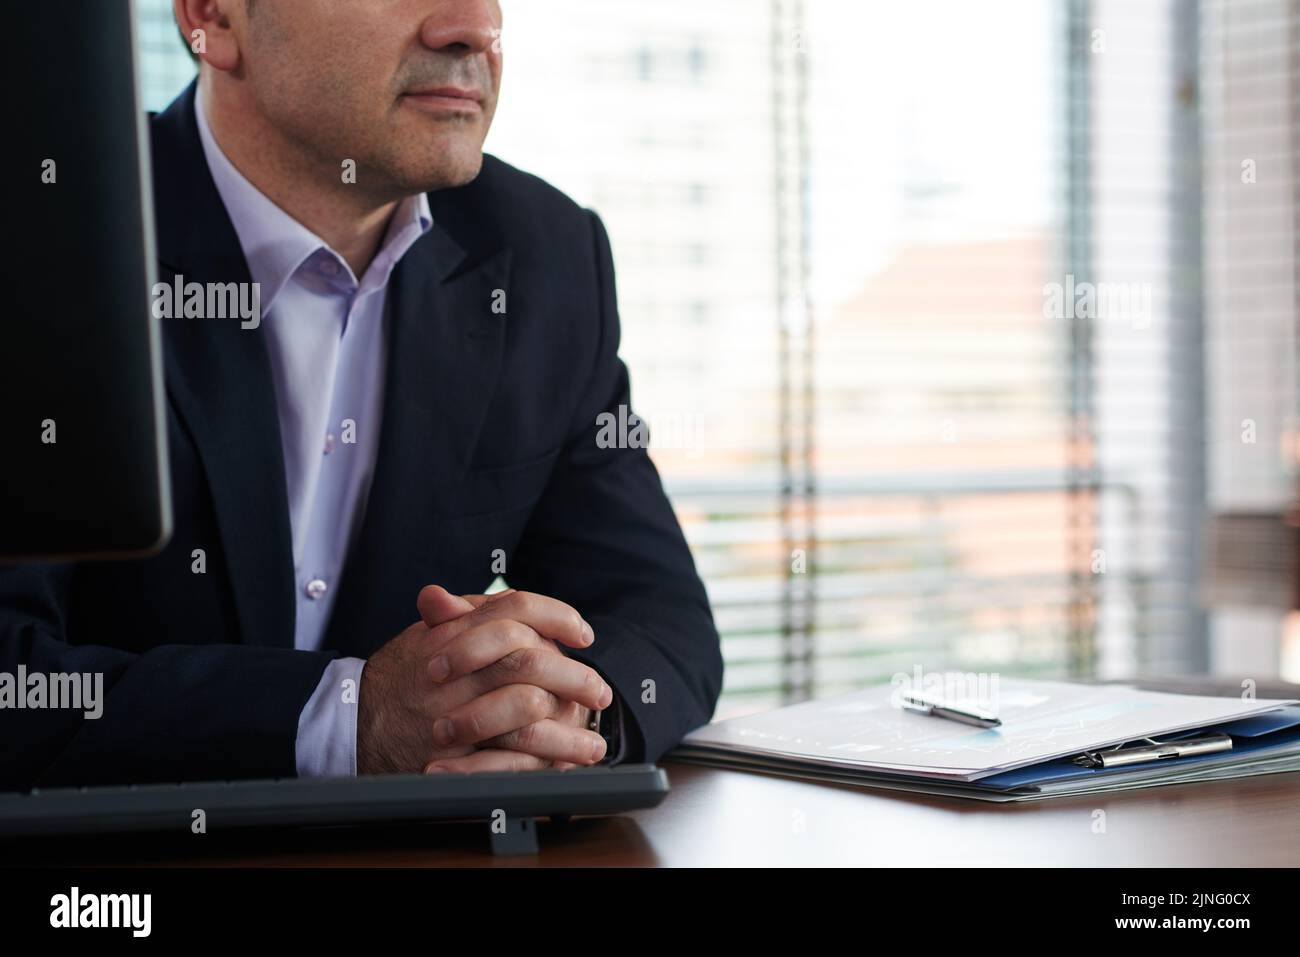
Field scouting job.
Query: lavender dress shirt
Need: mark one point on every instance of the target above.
(325, 332)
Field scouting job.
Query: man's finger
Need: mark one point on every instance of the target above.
(491, 714)
(550, 670)
(478, 601)
(436, 605)
(482, 645)
(548, 617)
(505, 652)
(486, 760)
(553, 741)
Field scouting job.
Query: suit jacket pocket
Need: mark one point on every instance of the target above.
(483, 493)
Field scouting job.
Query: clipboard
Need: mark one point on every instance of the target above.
(1149, 750)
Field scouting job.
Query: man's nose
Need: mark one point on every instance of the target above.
(462, 26)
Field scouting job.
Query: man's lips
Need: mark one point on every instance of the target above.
(443, 99)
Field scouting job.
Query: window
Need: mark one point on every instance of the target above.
(165, 67)
(945, 316)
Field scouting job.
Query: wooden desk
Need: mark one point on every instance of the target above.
(732, 818)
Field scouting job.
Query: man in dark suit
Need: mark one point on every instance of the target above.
(415, 409)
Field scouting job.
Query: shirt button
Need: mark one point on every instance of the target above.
(316, 589)
(329, 267)
(329, 443)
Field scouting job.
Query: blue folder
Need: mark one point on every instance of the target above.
(1274, 733)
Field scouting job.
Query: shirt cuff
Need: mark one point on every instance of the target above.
(327, 728)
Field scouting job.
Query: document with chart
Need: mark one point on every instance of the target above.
(1054, 738)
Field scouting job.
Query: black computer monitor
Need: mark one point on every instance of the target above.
(83, 468)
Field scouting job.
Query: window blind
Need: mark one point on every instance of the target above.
(839, 229)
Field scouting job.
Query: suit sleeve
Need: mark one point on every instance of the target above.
(173, 713)
(604, 539)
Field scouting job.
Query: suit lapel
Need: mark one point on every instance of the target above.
(444, 357)
(219, 380)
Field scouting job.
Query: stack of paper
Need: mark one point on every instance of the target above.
(866, 738)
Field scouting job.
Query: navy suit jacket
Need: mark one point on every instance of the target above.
(488, 442)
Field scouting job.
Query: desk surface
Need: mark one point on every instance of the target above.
(730, 818)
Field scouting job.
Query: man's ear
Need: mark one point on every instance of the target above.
(207, 26)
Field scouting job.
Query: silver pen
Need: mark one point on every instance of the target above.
(922, 703)
(1122, 755)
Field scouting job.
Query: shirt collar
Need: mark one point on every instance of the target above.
(276, 245)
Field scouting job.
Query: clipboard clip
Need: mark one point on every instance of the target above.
(1123, 754)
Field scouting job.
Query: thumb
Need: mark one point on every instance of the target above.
(478, 601)
(437, 605)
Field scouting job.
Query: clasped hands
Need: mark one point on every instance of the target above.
(480, 684)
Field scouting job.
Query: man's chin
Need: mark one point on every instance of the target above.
(467, 169)
(455, 168)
